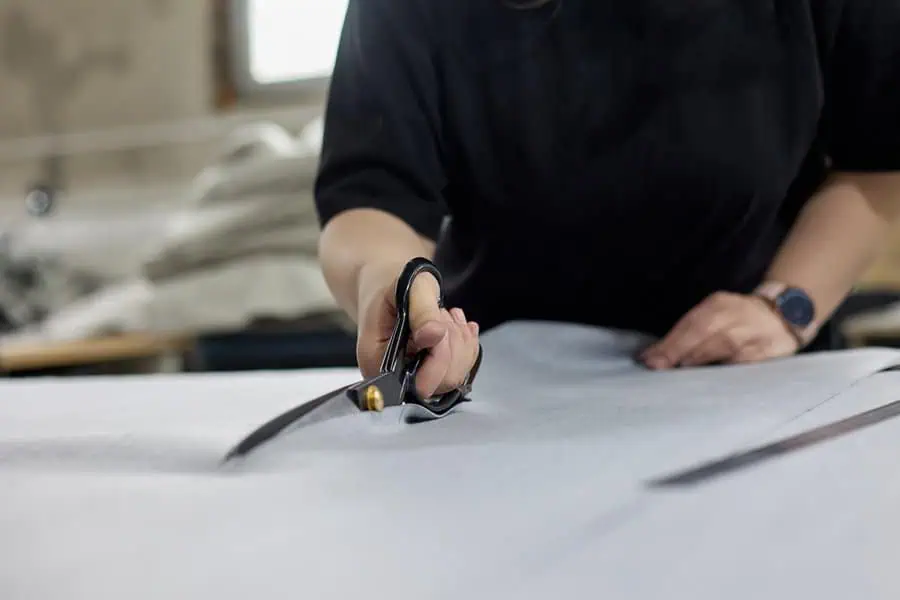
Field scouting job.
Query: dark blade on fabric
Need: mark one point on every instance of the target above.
(749, 458)
(272, 428)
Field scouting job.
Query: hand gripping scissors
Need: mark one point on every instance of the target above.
(393, 386)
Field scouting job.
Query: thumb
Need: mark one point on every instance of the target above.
(426, 324)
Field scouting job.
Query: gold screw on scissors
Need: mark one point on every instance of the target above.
(373, 398)
(393, 386)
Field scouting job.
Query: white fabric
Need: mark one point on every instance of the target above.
(536, 489)
(274, 286)
(242, 247)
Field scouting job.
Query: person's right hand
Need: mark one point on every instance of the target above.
(451, 340)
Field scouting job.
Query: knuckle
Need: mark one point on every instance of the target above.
(670, 356)
(732, 343)
(691, 359)
(464, 333)
(745, 357)
(751, 354)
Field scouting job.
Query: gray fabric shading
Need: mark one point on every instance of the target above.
(113, 487)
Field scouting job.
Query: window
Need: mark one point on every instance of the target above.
(284, 45)
(291, 40)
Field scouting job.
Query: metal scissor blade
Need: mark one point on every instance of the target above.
(330, 405)
(387, 388)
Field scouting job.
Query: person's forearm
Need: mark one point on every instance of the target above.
(837, 237)
(362, 248)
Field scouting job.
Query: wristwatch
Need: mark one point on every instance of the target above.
(793, 305)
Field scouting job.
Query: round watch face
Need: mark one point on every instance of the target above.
(796, 307)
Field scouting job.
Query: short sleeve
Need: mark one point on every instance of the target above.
(381, 144)
(863, 90)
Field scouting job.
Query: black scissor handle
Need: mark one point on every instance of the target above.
(409, 274)
(396, 349)
(436, 406)
(395, 359)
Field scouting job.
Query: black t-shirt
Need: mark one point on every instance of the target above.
(600, 161)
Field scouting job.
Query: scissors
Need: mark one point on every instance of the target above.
(393, 386)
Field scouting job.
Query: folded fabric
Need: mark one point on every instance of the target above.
(227, 297)
(32, 287)
(243, 246)
(286, 171)
(202, 236)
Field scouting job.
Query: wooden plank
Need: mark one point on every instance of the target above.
(29, 356)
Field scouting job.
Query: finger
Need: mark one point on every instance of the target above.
(458, 315)
(781, 340)
(476, 346)
(458, 336)
(750, 353)
(719, 347)
(694, 328)
(459, 362)
(426, 321)
(473, 332)
(432, 372)
(656, 356)
(784, 346)
(778, 346)
(474, 329)
(463, 339)
(467, 352)
(716, 313)
(465, 355)
(714, 349)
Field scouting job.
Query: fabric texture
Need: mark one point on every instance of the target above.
(242, 247)
(113, 487)
(31, 287)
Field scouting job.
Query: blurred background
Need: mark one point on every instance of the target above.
(156, 164)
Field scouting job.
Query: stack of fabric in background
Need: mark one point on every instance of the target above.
(239, 249)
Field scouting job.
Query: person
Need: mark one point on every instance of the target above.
(717, 174)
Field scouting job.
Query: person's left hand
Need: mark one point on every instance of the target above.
(724, 328)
